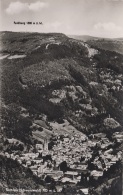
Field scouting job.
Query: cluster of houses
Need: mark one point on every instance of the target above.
(77, 152)
(82, 155)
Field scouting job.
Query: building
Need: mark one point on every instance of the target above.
(45, 145)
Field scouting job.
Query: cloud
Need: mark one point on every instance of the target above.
(16, 7)
(19, 7)
(37, 6)
(110, 26)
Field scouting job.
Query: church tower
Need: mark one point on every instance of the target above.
(46, 145)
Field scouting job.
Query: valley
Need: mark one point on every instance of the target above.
(62, 110)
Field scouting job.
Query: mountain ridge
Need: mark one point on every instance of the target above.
(68, 86)
(111, 44)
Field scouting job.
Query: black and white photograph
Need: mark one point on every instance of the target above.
(61, 97)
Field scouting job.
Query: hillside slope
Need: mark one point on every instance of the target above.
(13, 175)
(62, 78)
(114, 44)
(55, 84)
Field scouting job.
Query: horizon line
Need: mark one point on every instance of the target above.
(61, 33)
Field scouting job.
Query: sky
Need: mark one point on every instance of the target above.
(99, 18)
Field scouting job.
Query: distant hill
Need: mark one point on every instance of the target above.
(83, 37)
(114, 44)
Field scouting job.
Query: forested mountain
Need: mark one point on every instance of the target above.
(51, 78)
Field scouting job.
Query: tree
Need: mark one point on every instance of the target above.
(48, 179)
(63, 166)
(50, 145)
